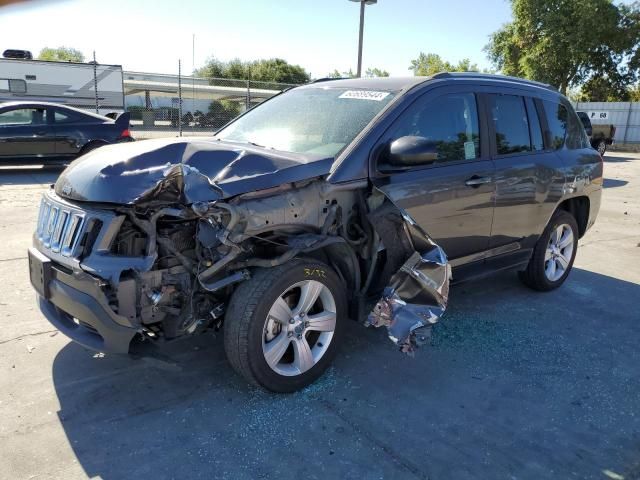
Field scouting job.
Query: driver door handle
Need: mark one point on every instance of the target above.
(476, 181)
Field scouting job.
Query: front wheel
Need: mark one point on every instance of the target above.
(283, 326)
(553, 254)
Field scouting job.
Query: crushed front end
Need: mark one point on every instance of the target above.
(160, 258)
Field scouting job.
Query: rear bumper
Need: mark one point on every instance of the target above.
(75, 304)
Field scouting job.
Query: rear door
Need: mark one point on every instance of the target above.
(451, 198)
(26, 133)
(529, 173)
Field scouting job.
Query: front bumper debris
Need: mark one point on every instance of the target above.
(415, 299)
(416, 294)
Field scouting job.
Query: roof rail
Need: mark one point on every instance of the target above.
(492, 76)
(328, 79)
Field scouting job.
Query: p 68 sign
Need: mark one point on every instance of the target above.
(598, 115)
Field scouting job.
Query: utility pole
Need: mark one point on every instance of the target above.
(363, 3)
(95, 79)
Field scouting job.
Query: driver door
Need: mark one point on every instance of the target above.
(451, 198)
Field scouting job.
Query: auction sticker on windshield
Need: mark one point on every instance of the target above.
(364, 95)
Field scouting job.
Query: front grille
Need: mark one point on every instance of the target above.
(60, 227)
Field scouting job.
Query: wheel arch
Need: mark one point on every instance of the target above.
(92, 144)
(579, 208)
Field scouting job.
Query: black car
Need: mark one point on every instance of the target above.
(357, 198)
(48, 132)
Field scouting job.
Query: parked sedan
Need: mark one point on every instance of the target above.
(48, 132)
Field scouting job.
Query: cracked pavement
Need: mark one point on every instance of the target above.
(516, 384)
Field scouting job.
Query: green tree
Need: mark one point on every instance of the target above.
(269, 70)
(604, 89)
(336, 74)
(567, 42)
(432, 63)
(376, 72)
(61, 54)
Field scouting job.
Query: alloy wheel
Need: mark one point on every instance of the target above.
(559, 252)
(299, 328)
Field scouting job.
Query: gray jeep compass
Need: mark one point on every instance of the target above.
(358, 198)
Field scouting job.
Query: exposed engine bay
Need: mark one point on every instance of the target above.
(195, 255)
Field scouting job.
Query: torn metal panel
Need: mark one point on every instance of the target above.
(416, 296)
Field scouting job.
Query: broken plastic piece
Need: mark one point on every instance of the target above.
(415, 299)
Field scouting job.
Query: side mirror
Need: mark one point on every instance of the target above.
(411, 150)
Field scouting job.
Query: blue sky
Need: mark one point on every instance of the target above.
(320, 35)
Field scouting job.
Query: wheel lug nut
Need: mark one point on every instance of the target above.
(292, 321)
(302, 314)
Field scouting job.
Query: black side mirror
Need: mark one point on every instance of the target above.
(411, 150)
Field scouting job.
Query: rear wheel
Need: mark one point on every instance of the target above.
(283, 326)
(553, 254)
(601, 147)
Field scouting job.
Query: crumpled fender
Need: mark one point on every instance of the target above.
(416, 295)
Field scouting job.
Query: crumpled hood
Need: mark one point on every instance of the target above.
(184, 170)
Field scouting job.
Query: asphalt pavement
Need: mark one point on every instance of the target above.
(516, 384)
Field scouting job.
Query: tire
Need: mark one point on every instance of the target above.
(601, 147)
(551, 262)
(253, 337)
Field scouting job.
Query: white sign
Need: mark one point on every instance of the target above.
(364, 95)
(598, 115)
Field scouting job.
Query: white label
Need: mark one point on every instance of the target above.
(364, 95)
(598, 115)
(469, 150)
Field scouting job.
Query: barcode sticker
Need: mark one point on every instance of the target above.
(364, 95)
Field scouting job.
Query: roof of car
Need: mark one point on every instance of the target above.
(405, 83)
(51, 104)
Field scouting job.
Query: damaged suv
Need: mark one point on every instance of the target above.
(358, 198)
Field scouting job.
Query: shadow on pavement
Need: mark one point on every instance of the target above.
(516, 383)
(618, 159)
(29, 175)
(612, 183)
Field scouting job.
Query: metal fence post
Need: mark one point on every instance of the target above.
(247, 99)
(95, 79)
(626, 128)
(179, 98)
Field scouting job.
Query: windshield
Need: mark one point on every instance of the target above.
(317, 121)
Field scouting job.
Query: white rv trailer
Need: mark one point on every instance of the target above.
(67, 83)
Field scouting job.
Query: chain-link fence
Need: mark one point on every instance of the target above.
(174, 105)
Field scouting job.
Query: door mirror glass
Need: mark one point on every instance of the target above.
(411, 150)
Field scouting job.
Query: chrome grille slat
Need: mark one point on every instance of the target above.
(60, 227)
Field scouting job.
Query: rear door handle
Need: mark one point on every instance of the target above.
(476, 181)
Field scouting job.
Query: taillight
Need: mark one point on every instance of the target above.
(125, 133)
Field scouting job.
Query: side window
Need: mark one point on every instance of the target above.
(449, 121)
(13, 85)
(24, 116)
(65, 117)
(557, 120)
(537, 142)
(17, 86)
(576, 135)
(511, 124)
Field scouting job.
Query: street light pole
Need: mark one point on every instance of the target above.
(363, 3)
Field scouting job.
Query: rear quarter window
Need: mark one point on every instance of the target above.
(565, 128)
